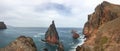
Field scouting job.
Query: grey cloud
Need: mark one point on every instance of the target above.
(4, 9)
(60, 8)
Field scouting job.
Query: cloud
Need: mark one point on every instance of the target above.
(60, 8)
(40, 13)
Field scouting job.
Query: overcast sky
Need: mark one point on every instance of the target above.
(40, 13)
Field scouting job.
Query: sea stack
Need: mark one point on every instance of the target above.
(22, 43)
(75, 35)
(2, 25)
(51, 36)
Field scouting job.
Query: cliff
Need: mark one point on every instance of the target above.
(102, 29)
(22, 43)
(51, 35)
(2, 25)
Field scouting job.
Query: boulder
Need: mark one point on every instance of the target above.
(60, 47)
(22, 43)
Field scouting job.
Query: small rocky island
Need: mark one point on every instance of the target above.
(22, 43)
(102, 30)
(2, 25)
(51, 36)
(75, 34)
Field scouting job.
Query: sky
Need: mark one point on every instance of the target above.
(40, 13)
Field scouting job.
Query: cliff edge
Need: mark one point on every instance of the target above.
(102, 29)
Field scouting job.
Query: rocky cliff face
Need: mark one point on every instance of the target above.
(102, 29)
(2, 25)
(22, 43)
(103, 13)
(51, 35)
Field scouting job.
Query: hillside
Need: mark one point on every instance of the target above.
(102, 29)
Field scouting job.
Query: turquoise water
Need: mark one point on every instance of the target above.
(65, 36)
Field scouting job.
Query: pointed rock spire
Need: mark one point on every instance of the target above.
(51, 35)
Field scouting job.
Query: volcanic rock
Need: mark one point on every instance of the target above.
(22, 43)
(75, 35)
(2, 25)
(102, 29)
(51, 35)
(45, 49)
(104, 13)
(60, 47)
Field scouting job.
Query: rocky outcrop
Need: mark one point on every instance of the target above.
(45, 49)
(75, 34)
(103, 13)
(51, 35)
(102, 29)
(2, 25)
(22, 43)
(60, 47)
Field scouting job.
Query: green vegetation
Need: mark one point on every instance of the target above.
(103, 40)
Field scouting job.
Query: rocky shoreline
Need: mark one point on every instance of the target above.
(22, 43)
(101, 31)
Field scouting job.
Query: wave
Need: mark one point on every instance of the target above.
(82, 39)
(39, 35)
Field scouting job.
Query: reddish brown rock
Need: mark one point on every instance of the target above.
(75, 35)
(22, 43)
(102, 29)
(51, 35)
(103, 13)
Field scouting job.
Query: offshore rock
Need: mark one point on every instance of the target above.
(2, 25)
(75, 35)
(51, 35)
(60, 47)
(22, 43)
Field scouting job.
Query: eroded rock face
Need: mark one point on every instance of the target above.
(103, 13)
(102, 29)
(22, 43)
(51, 35)
(2, 25)
(75, 34)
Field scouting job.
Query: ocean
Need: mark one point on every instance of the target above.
(37, 33)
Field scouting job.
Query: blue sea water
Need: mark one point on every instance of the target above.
(65, 36)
